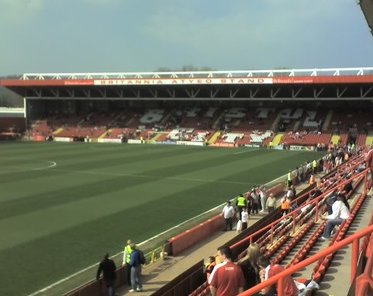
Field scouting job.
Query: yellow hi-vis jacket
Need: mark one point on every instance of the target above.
(127, 254)
(241, 201)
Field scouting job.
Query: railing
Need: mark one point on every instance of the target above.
(279, 278)
(250, 238)
(293, 214)
(364, 282)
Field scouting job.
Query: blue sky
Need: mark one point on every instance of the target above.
(145, 35)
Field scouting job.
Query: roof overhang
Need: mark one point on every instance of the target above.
(367, 8)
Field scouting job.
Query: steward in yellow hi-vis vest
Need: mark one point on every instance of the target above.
(314, 166)
(240, 203)
(289, 180)
(126, 260)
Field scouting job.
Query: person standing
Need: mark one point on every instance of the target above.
(255, 201)
(263, 199)
(240, 203)
(268, 270)
(285, 205)
(314, 166)
(227, 278)
(126, 260)
(244, 219)
(135, 263)
(289, 180)
(271, 203)
(250, 267)
(210, 266)
(228, 214)
(107, 268)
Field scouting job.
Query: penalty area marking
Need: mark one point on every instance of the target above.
(118, 254)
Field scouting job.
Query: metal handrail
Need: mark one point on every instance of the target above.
(293, 213)
(352, 239)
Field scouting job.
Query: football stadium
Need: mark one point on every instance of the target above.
(172, 160)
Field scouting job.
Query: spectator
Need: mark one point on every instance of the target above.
(268, 270)
(285, 205)
(340, 212)
(314, 166)
(254, 201)
(126, 260)
(244, 219)
(293, 190)
(249, 202)
(291, 287)
(263, 199)
(135, 263)
(107, 268)
(250, 267)
(240, 203)
(271, 203)
(228, 214)
(330, 201)
(227, 278)
(210, 266)
(300, 174)
(290, 193)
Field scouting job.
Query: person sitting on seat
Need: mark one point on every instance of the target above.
(340, 212)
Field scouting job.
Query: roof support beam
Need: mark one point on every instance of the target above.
(363, 93)
(253, 93)
(233, 93)
(340, 91)
(295, 93)
(317, 92)
(214, 92)
(274, 92)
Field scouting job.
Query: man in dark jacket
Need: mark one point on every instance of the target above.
(107, 268)
(135, 264)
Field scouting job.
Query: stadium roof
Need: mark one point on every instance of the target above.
(367, 8)
(186, 75)
(280, 84)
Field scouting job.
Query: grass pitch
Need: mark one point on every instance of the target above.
(62, 206)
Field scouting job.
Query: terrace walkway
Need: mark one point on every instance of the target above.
(158, 274)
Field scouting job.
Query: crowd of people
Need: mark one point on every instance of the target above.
(229, 278)
(226, 277)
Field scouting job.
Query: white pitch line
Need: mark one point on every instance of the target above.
(52, 164)
(118, 254)
(245, 151)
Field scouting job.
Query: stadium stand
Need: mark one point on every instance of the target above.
(280, 248)
(228, 117)
(221, 126)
